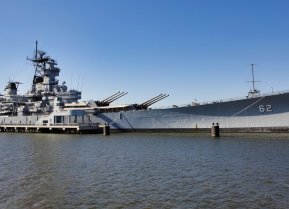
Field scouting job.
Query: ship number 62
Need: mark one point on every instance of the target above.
(265, 108)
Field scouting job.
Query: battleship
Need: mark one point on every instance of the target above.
(50, 104)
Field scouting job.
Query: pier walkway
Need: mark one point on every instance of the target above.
(53, 128)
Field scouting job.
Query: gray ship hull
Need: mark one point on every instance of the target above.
(261, 114)
(267, 113)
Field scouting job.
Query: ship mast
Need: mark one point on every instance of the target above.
(254, 92)
(35, 63)
(253, 81)
(39, 61)
(35, 58)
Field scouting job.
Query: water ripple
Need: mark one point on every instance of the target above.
(143, 171)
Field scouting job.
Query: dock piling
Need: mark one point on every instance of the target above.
(106, 129)
(215, 131)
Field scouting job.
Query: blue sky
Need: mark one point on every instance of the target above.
(189, 49)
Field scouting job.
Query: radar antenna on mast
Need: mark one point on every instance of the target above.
(39, 61)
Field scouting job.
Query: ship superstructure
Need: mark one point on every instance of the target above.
(45, 85)
(49, 104)
(45, 89)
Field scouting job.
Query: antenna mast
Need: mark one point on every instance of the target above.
(254, 92)
(253, 81)
(35, 58)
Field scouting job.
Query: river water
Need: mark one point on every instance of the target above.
(143, 171)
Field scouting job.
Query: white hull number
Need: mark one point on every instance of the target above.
(265, 108)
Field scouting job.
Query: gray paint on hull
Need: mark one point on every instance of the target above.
(233, 115)
(239, 114)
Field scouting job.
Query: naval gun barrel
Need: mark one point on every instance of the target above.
(157, 100)
(116, 97)
(151, 101)
(148, 101)
(108, 98)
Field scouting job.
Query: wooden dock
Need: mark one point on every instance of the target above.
(55, 128)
